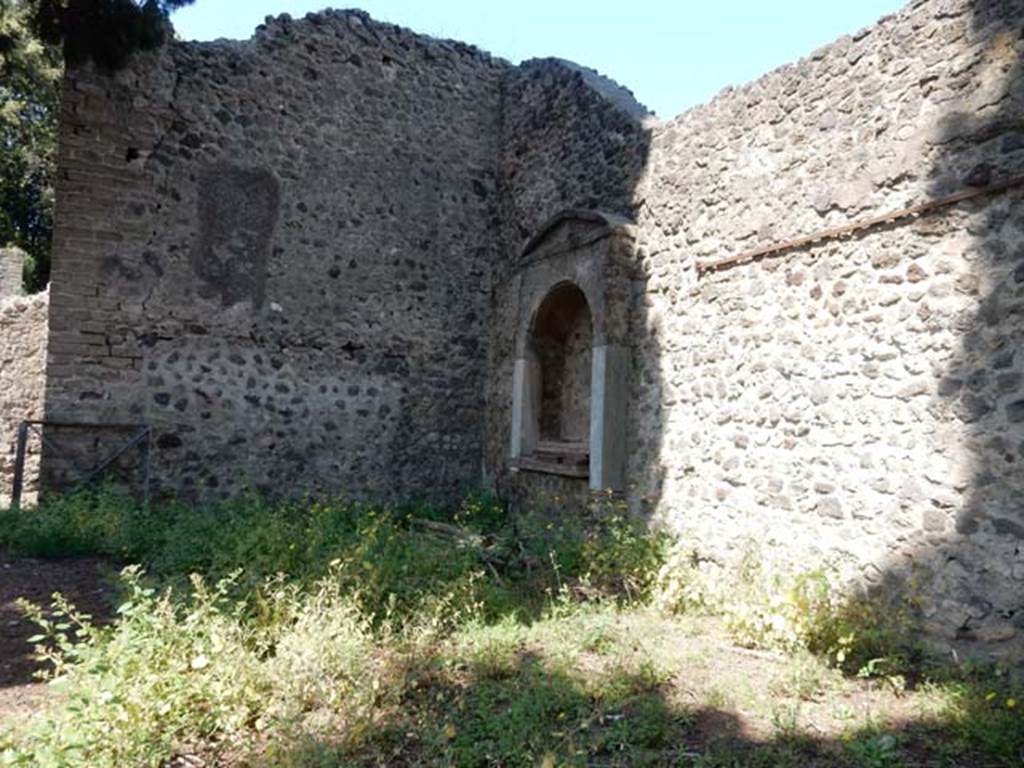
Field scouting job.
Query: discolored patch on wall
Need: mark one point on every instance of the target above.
(238, 210)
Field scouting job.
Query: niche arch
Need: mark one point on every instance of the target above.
(560, 342)
(570, 378)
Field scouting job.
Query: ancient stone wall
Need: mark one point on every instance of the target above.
(571, 139)
(23, 331)
(302, 259)
(278, 253)
(860, 399)
(12, 261)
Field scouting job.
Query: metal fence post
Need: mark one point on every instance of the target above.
(19, 466)
(145, 467)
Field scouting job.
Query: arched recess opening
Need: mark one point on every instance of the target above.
(561, 338)
(571, 368)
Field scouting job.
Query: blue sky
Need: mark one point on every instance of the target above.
(672, 55)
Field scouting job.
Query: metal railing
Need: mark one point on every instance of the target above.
(139, 436)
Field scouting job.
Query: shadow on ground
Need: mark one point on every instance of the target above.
(80, 580)
(526, 713)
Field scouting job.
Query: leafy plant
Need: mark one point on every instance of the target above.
(299, 633)
(167, 674)
(876, 751)
(104, 31)
(394, 560)
(772, 604)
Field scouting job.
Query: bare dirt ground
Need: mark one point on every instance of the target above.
(79, 579)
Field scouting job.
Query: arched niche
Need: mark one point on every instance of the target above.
(570, 381)
(560, 348)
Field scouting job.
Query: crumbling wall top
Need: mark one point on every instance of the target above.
(614, 93)
(284, 29)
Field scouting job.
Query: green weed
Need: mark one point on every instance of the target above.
(321, 633)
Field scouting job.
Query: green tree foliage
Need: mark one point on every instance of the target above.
(104, 31)
(33, 36)
(29, 103)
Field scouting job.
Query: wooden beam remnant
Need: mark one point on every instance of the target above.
(703, 267)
